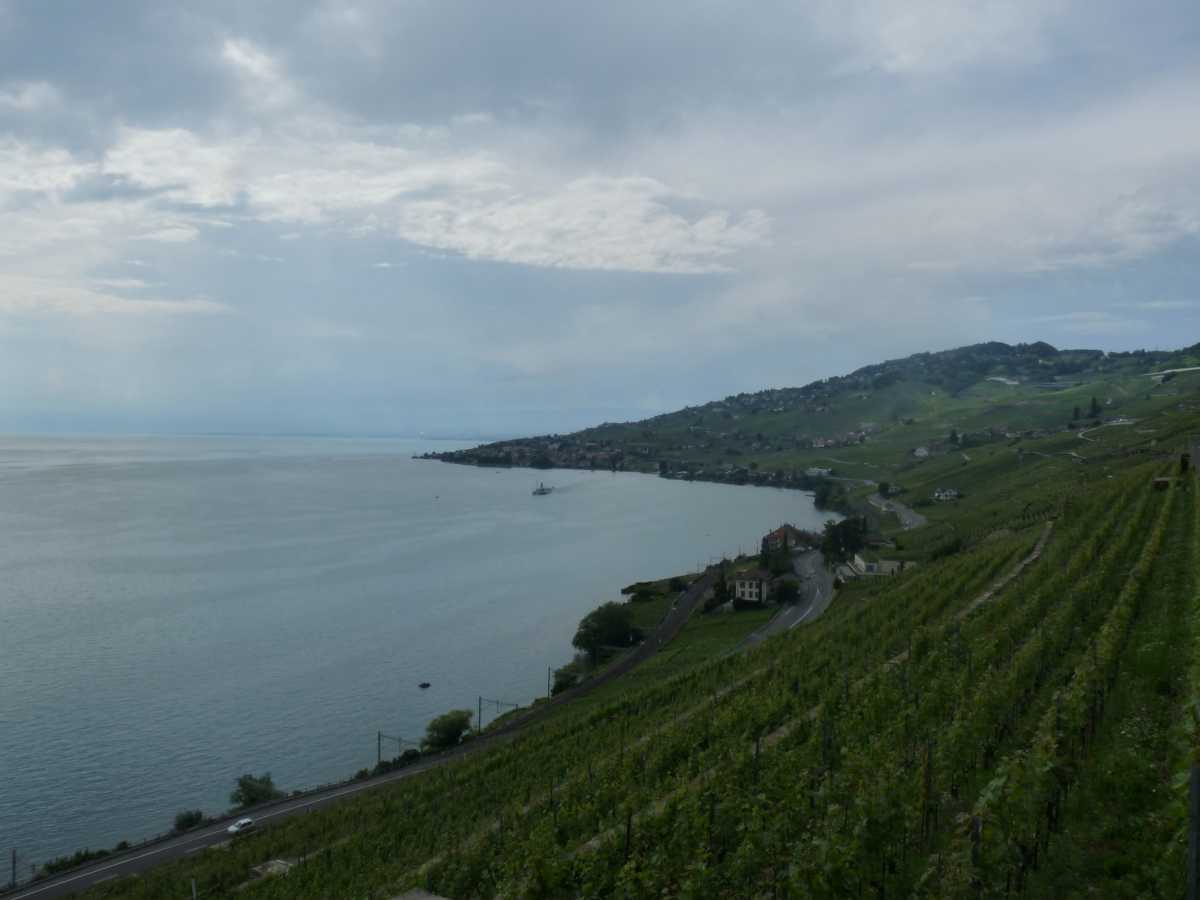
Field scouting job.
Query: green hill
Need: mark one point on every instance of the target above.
(1014, 715)
(978, 394)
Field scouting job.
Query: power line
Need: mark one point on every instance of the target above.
(499, 704)
(380, 737)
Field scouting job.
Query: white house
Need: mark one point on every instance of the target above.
(944, 494)
(751, 587)
(921, 452)
(818, 472)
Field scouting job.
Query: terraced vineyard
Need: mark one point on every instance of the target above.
(927, 737)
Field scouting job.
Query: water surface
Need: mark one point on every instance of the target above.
(177, 611)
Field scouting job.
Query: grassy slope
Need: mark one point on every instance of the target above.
(895, 681)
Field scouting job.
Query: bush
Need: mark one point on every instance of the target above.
(447, 730)
(565, 679)
(188, 819)
(779, 563)
(254, 789)
(643, 595)
(607, 625)
(408, 757)
(785, 591)
(676, 585)
(63, 863)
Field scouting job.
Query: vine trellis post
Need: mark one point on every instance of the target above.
(1193, 859)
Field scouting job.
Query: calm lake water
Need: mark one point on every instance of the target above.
(177, 611)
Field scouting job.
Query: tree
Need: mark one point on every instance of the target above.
(188, 819)
(1077, 413)
(446, 730)
(720, 591)
(607, 625)
(1094, 409)
(779, 562)
(254, 789)
(843, 539)
(676, 584)
(954, 435)
(785, 591)
(885, 488)
(829, 494)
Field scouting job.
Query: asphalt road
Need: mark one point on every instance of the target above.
(145, 857)
(908, 518)
(816, 593)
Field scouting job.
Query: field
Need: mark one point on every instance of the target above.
(926, 737)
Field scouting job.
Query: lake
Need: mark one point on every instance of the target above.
(176, 611)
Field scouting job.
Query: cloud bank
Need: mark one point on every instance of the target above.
(460, 217)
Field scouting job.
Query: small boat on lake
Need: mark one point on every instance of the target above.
(541, 490)
(423, 685)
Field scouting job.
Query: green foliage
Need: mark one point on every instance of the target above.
(447, 730)
(785, 591)
(931, 735)
(254, 789)
(608, 625)
(843, 539)
(407, 758)
(720, 591)
(74, 861)
(828, 494)
(564, 679)
(779, 562)
(188, 819)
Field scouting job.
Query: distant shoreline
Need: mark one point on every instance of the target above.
(801, 483)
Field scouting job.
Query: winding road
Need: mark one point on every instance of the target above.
(908, 518)
(816, 593)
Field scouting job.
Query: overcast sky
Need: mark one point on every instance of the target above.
(485, 218)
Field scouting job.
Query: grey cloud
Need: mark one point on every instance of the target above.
(387, 216)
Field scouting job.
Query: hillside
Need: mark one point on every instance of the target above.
(978, 395)
(1011, 716)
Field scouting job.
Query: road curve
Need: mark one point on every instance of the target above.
(908, 518)
(139, 859)
(816, 593)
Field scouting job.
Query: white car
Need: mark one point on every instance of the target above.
(241, 825)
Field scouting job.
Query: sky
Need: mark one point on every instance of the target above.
(479, 218)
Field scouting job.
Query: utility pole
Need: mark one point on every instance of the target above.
(378, 747)
(479, 717)
(549, 670)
